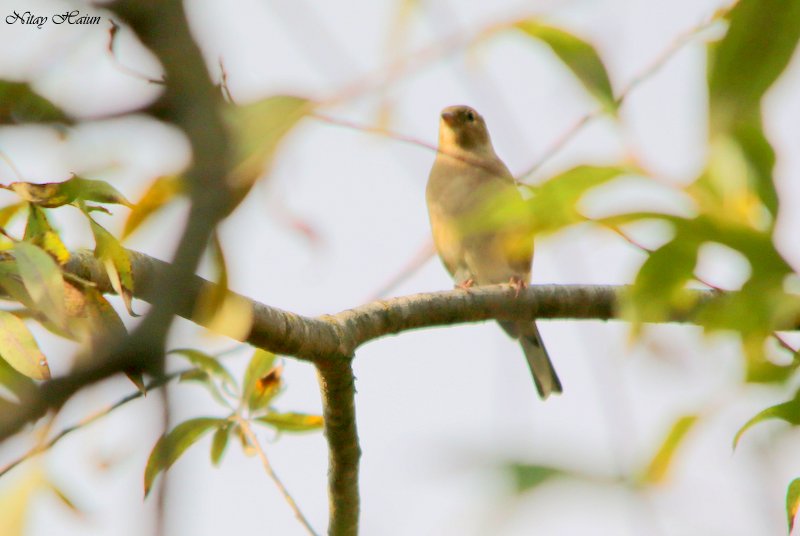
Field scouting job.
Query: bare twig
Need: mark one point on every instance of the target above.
(244, 425)
(422, 256)
(652, 68)
(47, 445)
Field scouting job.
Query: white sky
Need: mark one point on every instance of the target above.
(438, 410)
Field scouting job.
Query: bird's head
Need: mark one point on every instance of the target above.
(461, 128)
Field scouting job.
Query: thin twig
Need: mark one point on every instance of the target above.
(251, 437)
(422, 256)
(653, 67)
(45, 446)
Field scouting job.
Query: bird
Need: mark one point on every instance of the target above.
(466, 177)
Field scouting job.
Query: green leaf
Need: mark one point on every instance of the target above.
(116, 262)
(22, 386)
(202, 377)
(19, 349)
(792, 501)
(39, 231)
(579, 56)
(20, 104)
(56, 194)
(158, 194)
(172, 445)
(552, 206)
(220, 442)
(788, 411)
(527, 477)
(16, 500)
(292, 422)
(658, 288)
(661, 462)
(8, 212)
(43, 281)
(209, 365)
(757, 47)
(94, 190)
(262, 380)
(256, 131)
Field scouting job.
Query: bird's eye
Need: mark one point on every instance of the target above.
(470, 116)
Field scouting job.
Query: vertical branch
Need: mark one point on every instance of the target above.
(337, 385)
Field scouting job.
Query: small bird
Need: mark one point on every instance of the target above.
(466, 176)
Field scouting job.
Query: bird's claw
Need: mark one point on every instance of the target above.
(518, 284)
(466, 284)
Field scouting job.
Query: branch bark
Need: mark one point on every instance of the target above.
(330, 341)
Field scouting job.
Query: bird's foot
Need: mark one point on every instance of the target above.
(518, 283)
(466, 284)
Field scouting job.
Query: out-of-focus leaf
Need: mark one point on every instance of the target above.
(20, 104)
(11, 282)
(262, 380)
(16, 499)
(171, 445)
(94, 190)
(65, 499)
(47, 195)
(19, 349)
(256, 131)
(579, 56)
(552, 206)
(208, 364)
(105, 323)
(737, 184)
(220, 310)
(116, 262)
(56, 194)
(788, 411)
(203, 378)
(8, 212)
(792, 501)
(43, 281)
(160, 192)
(657, 290)
(20, 385)
(661, 462)
(292, 422)
(39, 231)
(527, 477)
(755, 50)
(219, 443)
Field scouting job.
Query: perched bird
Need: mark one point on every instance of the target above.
(466, 176)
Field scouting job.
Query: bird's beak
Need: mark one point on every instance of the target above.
(449, 118)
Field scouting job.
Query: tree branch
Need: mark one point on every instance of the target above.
(340, 334)
(337, 385)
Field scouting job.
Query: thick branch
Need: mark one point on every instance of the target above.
(315, 339)
(337, 385)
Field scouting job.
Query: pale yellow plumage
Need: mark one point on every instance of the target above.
(466, 176)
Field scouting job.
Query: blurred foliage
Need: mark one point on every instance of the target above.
(734, 203)
(578, 56)
(792, 502)
(20, 104)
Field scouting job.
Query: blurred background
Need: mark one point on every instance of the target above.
(452, 431)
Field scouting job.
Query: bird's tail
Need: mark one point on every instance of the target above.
(544, 375)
